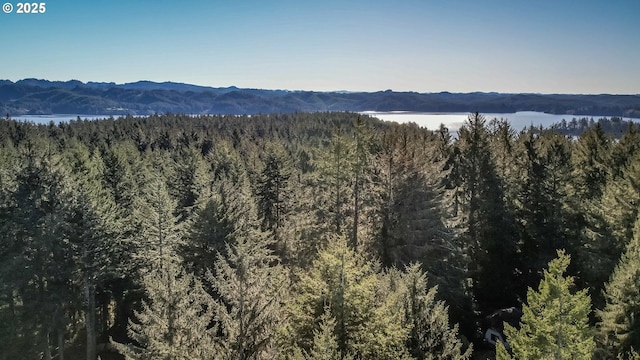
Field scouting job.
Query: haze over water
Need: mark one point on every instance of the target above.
(453, 121)
(431, 121)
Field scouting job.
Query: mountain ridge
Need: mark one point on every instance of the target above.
(42, 97)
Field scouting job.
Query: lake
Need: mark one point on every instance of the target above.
(58, 118)
(431, 121)
(453, 121)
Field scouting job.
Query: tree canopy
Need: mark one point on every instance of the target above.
(314, 235)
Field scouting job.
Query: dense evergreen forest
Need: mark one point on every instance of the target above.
(614, 126)
(316, 236)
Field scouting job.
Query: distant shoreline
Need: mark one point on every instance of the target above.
(429, 120)
(147, 98)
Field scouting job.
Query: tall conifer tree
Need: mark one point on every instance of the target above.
(174, 322)
(555, 321)
(619, 326)
(486, 229)
(431, 336)
(249, 286)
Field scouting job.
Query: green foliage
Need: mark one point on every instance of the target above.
(619, 326)
(95, 235)
(228, 214)
(624, 150)
(188, 181)
(590, 159)
(363, 302)
(273, 191)
(631, 355)
(92, 212)
(486, 228)
(174, 323)
(411, 171)
(598, 219)
(543, 167)
(158, 233)
(555, 321)
(38, 293)
(325, 345)
(621, 200)
(250, 286)
(409, 183)
(431, 336)
(335, 175)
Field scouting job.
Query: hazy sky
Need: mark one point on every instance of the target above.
(554, 46)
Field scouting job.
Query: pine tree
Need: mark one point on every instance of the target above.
(621, 200)
(486, 227)
(334, 191)
(249, 289)
(228, 214)
(590, 159)
(364, 302)
(247, 281)
(9, 321)
(543, 173)
(94, 233)
(124, 176)
(410, 173)
(37, 267)
(325, 345)
(619, 326)
(502, 142)
(158, 231)
(273, 192)
(362, 148)
(555, 321)
(595, 241)
(431, 336)
(174, 323)
(410, 191)
(624, 150)
(188, 181)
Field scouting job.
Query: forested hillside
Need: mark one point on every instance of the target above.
(34, 97)
(315, 236)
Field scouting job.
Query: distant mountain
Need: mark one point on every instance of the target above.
(33, 96)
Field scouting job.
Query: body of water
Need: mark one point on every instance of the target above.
(453, 121)
(58, 118)
(431, 121)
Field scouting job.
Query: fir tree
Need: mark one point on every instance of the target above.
(273, 191)
(335, 173)
(188, 181)
(486, 227)
(37, 267)
(543, 173)
(158, 233)
(249, 287)
(431, 336)
(621, 200)
(624, 150)
(325, 345)
(94, 230)
(555, 321)
(228, 214)
(174, 323)
(619, 326)
(362, 148)
(594, 236)
(364, 303)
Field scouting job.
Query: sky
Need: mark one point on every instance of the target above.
(512, 46)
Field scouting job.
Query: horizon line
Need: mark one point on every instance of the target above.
(317, 91)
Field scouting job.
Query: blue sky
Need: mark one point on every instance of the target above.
(538, 46)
